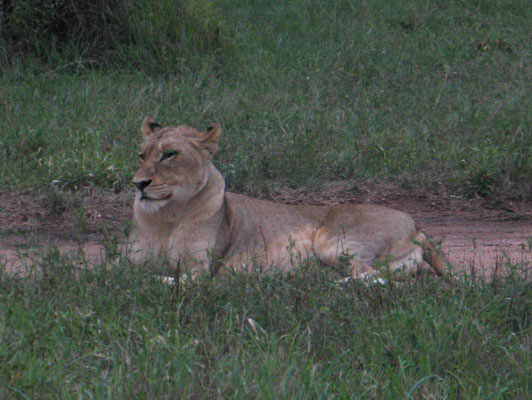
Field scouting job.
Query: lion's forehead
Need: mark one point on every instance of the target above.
(160, 144)
(180, 131)
(164, 144)
(171, 136)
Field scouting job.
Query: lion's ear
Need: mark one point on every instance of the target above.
(148, 126)
(210, 141)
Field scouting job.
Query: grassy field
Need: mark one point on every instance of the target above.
(115, 331)
(430, 94)
(425, 93)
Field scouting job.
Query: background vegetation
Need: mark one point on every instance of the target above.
(424, 92)
(138, 34)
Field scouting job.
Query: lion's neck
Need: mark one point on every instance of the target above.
(208, 201)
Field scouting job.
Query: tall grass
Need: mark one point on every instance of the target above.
(116, 331)
(425, 93)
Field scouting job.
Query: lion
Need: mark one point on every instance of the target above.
(183, 212)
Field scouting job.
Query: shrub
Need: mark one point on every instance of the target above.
(152, 35)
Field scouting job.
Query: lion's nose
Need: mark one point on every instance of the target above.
(142, 184)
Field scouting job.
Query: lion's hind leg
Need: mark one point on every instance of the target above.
(420, 256)
(341, 254)
(372, 261)
(403, 259)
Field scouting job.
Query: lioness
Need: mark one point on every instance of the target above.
(182, 211)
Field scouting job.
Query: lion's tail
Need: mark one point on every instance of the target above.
(433, 254)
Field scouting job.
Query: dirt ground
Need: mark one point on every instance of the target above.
(478, 235)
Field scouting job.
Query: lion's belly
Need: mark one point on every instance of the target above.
(279, 251)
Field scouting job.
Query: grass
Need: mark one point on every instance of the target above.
(423, 93)
(115, 331)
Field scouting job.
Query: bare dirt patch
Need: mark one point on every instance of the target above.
(478, 235)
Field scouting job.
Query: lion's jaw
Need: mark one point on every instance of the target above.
(149, 205)
(152, 201)
(177, 196)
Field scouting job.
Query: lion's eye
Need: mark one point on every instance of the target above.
(168, 154)
(141, 157)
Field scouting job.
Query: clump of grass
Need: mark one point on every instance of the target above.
(115, 330)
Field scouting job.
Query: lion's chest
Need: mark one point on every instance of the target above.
(188, 244)
(191, 245)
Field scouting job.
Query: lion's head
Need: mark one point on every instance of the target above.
(172, 163)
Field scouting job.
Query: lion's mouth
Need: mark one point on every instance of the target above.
(143, 197)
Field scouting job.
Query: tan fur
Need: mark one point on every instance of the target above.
(183, 212)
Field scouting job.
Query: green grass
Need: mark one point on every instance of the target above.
(424, 93)
(115, 331)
